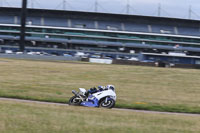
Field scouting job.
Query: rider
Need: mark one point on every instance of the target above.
(100, 88)
(94, 90)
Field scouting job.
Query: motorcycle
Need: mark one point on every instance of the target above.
(104, 98)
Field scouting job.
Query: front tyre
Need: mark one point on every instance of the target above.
(110, 103)
(76, 101)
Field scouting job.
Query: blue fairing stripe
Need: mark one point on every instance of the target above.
(91, 103)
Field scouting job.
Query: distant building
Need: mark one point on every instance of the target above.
(112, 35)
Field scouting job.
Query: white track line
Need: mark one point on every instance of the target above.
(120, 109)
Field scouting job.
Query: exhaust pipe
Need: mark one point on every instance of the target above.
(75, 93)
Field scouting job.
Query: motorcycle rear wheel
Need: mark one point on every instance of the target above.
(76, 101)
(109, 104)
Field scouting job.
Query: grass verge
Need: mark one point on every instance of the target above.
(20, 117)
(146, 88)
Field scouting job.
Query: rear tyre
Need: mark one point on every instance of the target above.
(76, 101)
(109, 104)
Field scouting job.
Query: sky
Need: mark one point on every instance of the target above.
(166, 8)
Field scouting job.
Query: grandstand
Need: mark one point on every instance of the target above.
(111, 34)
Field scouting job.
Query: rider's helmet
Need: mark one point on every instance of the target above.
(110, 87)
(101, 88)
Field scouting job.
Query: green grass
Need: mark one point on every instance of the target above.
(22, 117)
(162, 89)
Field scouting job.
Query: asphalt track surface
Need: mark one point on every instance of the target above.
(119, 109)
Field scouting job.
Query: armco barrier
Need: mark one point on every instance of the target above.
(108, 61)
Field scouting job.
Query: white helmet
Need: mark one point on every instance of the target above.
(110, 87)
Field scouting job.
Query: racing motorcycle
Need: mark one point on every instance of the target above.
(104, 97)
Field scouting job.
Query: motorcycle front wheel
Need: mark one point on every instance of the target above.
(75, 101)
(109, 104)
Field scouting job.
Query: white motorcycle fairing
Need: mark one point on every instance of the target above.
(94, 99)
